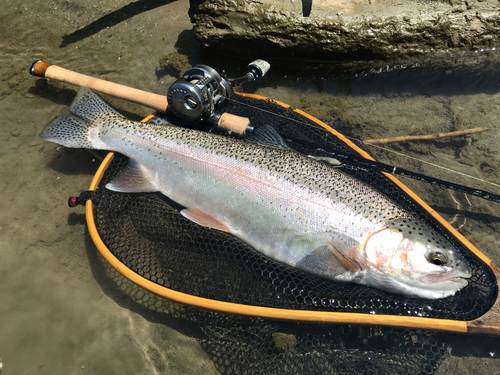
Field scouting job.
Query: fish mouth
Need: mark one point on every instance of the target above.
(442, 289)
(443, 279)
(448, 275)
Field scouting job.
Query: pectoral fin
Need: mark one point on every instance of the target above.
(321, 262)
(202, 218)
(345, 261)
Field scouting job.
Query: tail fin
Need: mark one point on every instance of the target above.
(68, 131)
(74, 130)
(88, 105)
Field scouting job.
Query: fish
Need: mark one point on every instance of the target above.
(295, 209)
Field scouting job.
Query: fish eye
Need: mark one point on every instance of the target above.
(438, 259)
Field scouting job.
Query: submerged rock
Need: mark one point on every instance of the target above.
(335, 30)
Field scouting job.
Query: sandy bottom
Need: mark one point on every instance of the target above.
(59, 312)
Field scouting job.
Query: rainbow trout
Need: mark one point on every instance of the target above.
(294, 209)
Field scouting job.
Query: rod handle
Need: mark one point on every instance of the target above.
(44, 69)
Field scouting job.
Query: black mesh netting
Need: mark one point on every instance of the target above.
(241, 345)
(147, 234)
(284, 348)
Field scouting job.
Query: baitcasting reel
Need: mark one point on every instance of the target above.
(198, 93)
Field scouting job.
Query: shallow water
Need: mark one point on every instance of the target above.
(60, 312)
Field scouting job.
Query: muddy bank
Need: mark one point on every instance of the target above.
(345, 30)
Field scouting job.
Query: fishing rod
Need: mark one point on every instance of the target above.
(198, 95)
(194, 97)
(372, 164)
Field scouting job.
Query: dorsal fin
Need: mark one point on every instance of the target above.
(267, 135)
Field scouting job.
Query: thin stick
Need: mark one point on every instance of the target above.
(426, 137)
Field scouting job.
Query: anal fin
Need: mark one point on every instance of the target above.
(133, 179)
(202, 218)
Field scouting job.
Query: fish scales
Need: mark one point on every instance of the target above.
(290, 207)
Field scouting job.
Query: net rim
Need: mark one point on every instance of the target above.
(489, 323)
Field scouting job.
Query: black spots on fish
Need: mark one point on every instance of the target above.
(419, 231)
(410, 227)
(69, 131)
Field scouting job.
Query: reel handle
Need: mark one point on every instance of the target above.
(158, 102)
(44, 69)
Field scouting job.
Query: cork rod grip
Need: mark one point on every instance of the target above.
(47, 70)
(233, 123)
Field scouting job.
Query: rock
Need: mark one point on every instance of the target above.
(336, 30)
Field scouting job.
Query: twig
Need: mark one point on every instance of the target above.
(95, 155)
(425, 137)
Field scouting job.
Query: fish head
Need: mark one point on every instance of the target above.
(408, 257)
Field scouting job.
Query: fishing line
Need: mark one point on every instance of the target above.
(391, 169)
(427, 162)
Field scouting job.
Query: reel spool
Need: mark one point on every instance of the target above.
(197, 93)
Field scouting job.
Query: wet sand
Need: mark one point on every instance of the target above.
(57, 316)
(60, 313)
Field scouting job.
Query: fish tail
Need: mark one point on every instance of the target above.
(75, 130)
(90, 106)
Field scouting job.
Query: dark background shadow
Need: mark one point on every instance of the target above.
(306, 7)
(112, 19)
